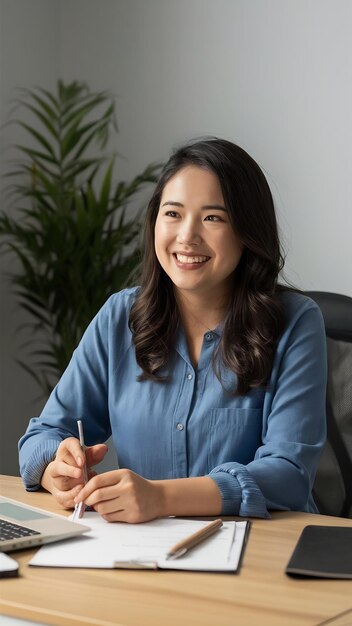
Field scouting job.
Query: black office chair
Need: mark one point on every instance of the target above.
(332, 489)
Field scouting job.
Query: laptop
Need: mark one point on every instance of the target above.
(23, 526)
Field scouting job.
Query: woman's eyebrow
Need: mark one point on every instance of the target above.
(172, 203)
(206, 207)
(214, 207)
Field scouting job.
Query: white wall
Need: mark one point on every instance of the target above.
(274, 76)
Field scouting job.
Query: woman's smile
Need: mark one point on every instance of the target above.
(187, 261)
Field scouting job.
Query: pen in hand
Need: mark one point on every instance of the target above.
(80, 508)
(180, 548)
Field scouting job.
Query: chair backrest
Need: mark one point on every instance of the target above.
(333, 484)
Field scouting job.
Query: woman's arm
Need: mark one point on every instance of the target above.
(282, 473)
(80, 395)
(123, 496)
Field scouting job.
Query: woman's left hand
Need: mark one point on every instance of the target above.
(122, 496)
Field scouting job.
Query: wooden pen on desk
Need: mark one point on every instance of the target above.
(190, 542)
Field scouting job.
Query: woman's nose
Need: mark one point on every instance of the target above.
(189, 233)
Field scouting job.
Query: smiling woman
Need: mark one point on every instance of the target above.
(198, 249)
(210, 376)
(212, 198)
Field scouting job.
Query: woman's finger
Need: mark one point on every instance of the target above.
(66, 498)
(63, 483)
(102, 495)
(100, 481)
(63, 469)
(71, 452)
(95, 454)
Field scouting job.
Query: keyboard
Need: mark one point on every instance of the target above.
(8, 530)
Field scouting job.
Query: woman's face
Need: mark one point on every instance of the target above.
(194, 239)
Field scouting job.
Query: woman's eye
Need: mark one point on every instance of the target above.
(213, 218)
(171, 214)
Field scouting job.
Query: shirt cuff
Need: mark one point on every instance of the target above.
(33, 468)
(239, 492)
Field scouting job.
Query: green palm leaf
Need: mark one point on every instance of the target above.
(76, 240)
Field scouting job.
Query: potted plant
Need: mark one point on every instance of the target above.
(69, 226)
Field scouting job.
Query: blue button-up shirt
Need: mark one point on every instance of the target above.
(262, 449)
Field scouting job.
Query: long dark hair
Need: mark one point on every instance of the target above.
(255, 317)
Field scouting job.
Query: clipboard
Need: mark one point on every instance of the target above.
(144, 546)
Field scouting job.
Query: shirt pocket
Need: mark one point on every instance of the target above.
(235, 435)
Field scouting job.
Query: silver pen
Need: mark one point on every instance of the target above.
(80, 507)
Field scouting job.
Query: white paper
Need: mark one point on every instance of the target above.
(7, 564)
(109, 545)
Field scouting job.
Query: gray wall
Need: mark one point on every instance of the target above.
(29, 54)
(271, 75)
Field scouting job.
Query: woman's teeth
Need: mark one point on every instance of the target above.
(191, 259)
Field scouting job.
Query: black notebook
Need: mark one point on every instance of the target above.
(322, 552)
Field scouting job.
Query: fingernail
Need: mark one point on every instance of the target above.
(79, 461)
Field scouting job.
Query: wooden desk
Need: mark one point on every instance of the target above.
(261, 595)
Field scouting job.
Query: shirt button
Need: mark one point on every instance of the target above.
(179, 426)
(209, 336)
(189, 376)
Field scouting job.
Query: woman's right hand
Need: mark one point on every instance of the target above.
(64, 476)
